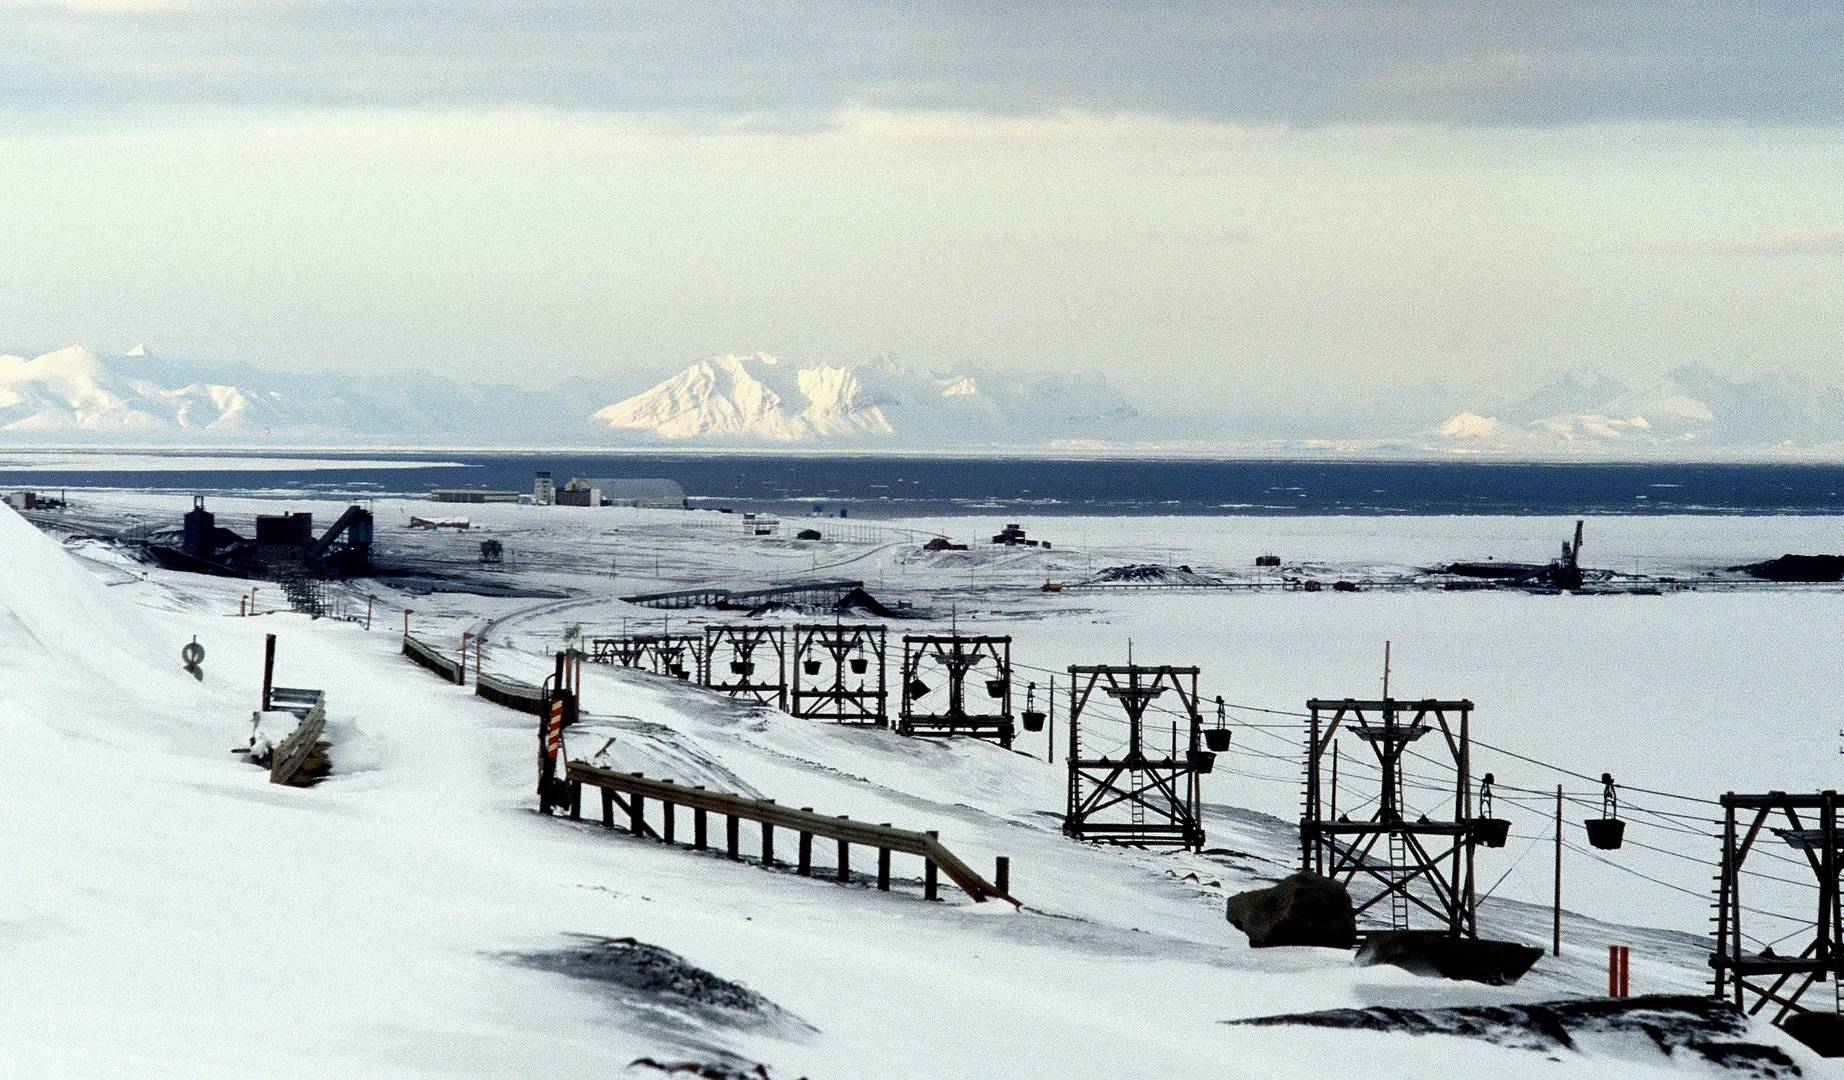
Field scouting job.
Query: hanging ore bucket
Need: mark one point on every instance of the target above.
(1202, 760)
(812, 666)
(1217, 738)
(742, 667)
(1488, 830)
(677, 671)
(858, 664)
(1607, 832)
(1033, 716)
(996, 687)
(917, 688)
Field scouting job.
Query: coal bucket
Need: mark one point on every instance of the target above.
(1492, 832)
(1606, 833)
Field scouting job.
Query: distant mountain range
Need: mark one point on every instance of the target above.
(759, 398)
(1691, 412)
(73, 397)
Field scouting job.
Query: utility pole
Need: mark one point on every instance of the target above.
(1555, 947)
(1050, 746)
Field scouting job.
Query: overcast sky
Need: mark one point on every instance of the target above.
(1220, 201)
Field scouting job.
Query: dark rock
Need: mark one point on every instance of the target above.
(1432, 952)
(1823, 1032)
(1303, 909)
(704, 1070)
(657, 980)
(1797, 568)
(1673, 1026)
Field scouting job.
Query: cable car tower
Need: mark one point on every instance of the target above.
(1143, 793)
(1437, 855)
(952, 658)
(833, 676)
(1754, 981)
(747, 662)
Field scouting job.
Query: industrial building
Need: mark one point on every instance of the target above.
(284, 543)
(543, 491)
(1013, 536)
(655, 494)
(472, 495)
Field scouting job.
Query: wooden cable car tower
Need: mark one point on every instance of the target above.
(1143, 796)
(953, 658)
(1759, 980)
(747, 662)
(675, 655)
(838, 673)
(1437, 854)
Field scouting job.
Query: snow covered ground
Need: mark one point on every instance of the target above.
(167, 912)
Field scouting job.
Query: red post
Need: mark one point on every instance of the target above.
(243, 605)
(406, 622)
(477, 641)
(1619, 971)
(464, 638)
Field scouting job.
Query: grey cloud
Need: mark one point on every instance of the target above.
(1304, 63)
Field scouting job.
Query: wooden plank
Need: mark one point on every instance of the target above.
(292, 752)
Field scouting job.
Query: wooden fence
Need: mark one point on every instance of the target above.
(291, 753)
(426, 655)
(804, 823)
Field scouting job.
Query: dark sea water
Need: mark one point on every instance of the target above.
(891, 486)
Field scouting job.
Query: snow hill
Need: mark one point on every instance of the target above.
(762, 398)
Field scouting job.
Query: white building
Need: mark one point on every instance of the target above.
(657, 494)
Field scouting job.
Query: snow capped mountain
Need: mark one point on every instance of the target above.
(72, 390)
(752, 397)
(72, 395)
(760, 398)
(1692, 410)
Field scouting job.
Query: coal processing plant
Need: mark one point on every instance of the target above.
(284, 544)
